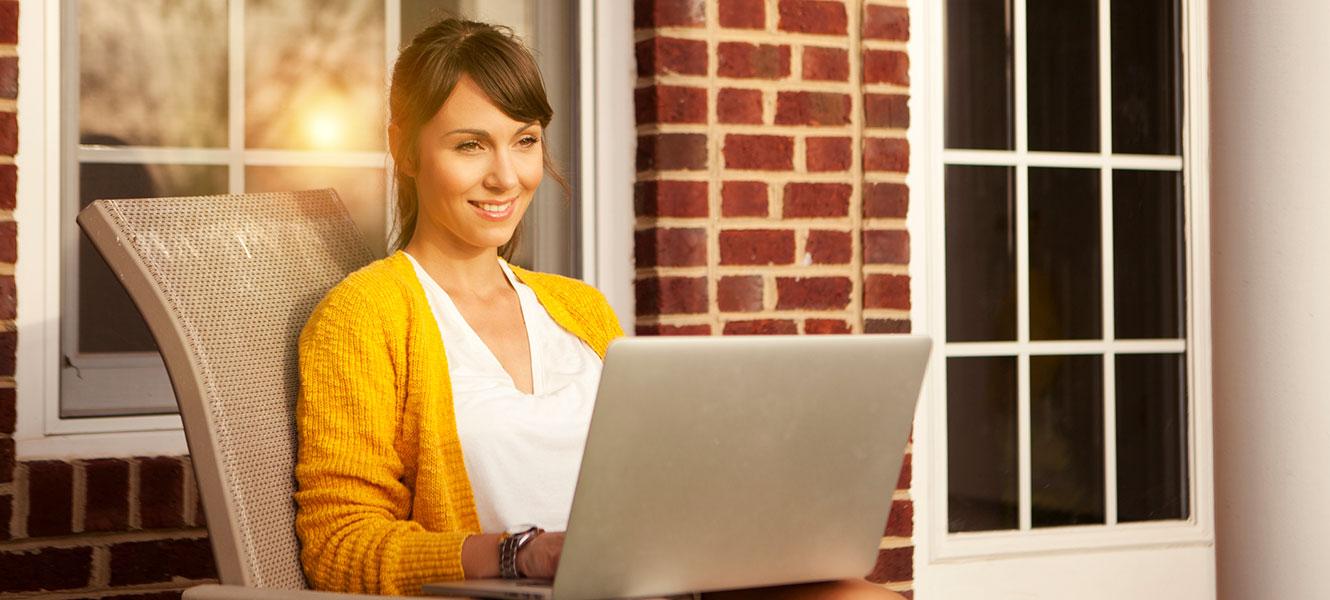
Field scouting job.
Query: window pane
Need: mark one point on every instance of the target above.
(1147, 105)
(362, 190)
(1066, 299)
(141, 59)
(979, 75)
(108, 321)
(1066, 440)
(1148, 267)
(1063, 71)
(981, 444)
(981, 253)
(1152, 437)
(315, 75)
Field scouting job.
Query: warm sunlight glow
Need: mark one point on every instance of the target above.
(323, 128)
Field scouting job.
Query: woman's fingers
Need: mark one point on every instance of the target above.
(540, 558)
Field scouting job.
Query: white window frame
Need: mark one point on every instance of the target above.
(605, 102)
(936, 543)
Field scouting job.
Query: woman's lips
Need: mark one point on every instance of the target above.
(494, 211)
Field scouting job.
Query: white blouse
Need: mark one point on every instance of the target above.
(522, 452)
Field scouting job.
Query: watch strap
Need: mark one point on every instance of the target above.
(509, 546)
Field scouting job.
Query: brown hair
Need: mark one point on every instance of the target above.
(425, 74)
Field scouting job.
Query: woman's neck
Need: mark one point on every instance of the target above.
(470, 274)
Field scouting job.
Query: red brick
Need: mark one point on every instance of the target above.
(663, 329)
(752, 61)
(825, 326)
(8, 297)
(893, 565)
(670, 104)
(886, 326)
(886, 66)
(813, 16)
(829, 247)
(887, 246)
(9, 77)
(6, 460)
(826, 64)
(50, 496)
(759, 152)
(828, 154)
(887, 291)
(816, 200)
(739, 106)
(756, 247)
(8, 22)
(8, 241)
(907, 474)
(743, 14)
(6, 513)
(8, 410)
(887, 154)
(761, 327)
(669, 13)
(900, 522)
(886, 200)
(817, 293)
(670, 247)
(107, 495)
(135, 563)
(665, 55)
(669, 151)
(739, 293)
(887, 110)
(887, 23)
(671, 295)
(46, 569)
(670, 198)
(8, 186)
(8, 132)
(8, 348)
(161, 493)
(812, 108)
(743, 199)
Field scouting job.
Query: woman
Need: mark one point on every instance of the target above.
(445, 394)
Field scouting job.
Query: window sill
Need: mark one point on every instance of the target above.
(118, 444)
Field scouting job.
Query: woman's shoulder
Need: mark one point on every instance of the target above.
(378, 289)
(566, 289)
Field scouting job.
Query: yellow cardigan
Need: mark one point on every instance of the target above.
(384, 502)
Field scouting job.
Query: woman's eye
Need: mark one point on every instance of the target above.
(469, 146)
(529, 141)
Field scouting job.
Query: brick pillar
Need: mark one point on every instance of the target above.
(770, 194)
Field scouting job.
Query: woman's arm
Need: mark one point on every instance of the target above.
(353, 515)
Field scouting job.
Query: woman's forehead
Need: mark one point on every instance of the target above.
(468, 107)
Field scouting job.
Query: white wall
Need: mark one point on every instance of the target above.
(1271, 295)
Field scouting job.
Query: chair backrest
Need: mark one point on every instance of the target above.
(225, 284)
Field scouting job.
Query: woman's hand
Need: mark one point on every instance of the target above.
(539, 559)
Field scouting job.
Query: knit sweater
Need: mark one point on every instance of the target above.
(384, 503)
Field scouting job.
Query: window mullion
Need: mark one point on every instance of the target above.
(235, 88)
(1106, 252)
(1022, 262)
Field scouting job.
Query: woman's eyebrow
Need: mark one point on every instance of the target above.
(485, 134)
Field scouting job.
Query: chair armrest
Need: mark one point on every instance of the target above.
(236, 592)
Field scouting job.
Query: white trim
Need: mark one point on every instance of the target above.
(610, 257)
(936, 545)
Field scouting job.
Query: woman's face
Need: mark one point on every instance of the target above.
(477, 171)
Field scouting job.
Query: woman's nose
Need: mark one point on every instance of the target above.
(503, 174)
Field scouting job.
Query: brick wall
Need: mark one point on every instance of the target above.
(771, 163)
(123, 528)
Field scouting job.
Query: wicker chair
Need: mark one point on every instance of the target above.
(225, 284)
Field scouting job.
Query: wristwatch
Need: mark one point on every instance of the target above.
(510, 543)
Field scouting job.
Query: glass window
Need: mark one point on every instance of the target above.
(197, 97)
(1065, 265)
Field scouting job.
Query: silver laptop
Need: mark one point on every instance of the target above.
(719, 463)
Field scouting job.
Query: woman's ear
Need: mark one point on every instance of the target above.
(405, 163)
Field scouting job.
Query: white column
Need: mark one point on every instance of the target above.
(1270, 190)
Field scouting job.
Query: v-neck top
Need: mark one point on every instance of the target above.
(522, 451)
